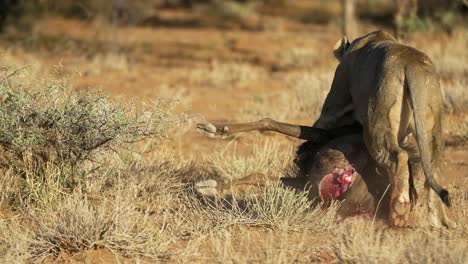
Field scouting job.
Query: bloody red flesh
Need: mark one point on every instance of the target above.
(334, 185)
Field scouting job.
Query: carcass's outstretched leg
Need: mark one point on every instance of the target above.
(302, 132)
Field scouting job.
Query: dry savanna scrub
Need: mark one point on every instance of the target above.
(99, 157)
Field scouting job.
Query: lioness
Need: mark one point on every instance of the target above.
(391, 91)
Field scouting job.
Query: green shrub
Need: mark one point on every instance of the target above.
(414, 24)
(48, 131)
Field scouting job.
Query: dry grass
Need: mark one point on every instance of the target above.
(9, 187)
(140, 208)
(77, 224)
(268, 157)
(368, 242)
(456, 96)
(14, 240)
(302, 98)
(449, 55)
(225, 75)
(228, 13)
(133, 208)
(272, 205)
(299, 57)
(112, 61)
(265, 246)
(359, 243)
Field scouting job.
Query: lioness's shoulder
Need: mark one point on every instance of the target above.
(372, 40)
(380, 34)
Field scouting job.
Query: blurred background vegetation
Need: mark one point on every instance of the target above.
(401, 15)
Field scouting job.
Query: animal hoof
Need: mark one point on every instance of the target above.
(207, 192)
(400, 210)
(212, 130)
(207, 188)
(206, 184)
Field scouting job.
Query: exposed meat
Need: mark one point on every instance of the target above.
(334, 185)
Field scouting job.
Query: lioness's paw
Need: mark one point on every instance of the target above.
(439, 219)
(449, 224)
(400, 208)
(213, 130)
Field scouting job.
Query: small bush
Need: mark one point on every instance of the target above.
(278, 206)
(49, 131)
(414, 24)
(273, 205)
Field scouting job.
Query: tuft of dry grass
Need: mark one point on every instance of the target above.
(227, 12)
(358, 242)
(77, 224)
(308, 93)
(14, 240)
(264, 208)
(302, 99)
(450, 56)
(268, 157)
(10, 187)
(299, 57)
(364, 242)
(230, 74)
(111, 61)
(266, 246)
(456, 96)
(280, 206)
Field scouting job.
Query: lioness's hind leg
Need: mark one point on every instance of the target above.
(400, 204)
(437, 211)
(437, 214)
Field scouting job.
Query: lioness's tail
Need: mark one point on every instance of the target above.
(415, 78)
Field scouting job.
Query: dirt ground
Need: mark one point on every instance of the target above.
(217, 75)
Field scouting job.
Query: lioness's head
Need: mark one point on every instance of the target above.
(341, 47)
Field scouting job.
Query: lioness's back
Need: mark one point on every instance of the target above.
(381, 45)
